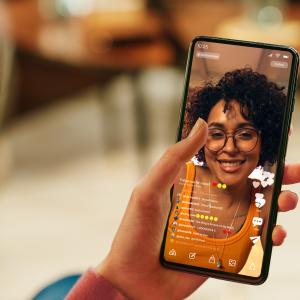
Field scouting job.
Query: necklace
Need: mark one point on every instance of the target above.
(219, 261)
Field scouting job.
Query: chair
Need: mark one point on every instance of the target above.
(58, 289)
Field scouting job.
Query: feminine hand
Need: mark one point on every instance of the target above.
(132, 265)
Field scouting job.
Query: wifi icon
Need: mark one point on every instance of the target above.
(277, 55)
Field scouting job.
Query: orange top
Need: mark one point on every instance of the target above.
(186, 245)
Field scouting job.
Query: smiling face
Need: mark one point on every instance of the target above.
(230, 165)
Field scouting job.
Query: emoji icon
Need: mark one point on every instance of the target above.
(211, 218)
(192, 255)
(219, 185)
(172, 235)
(257, 221)
(197, 216)
(254, 239)
(174, 223)
(259, 200)
(206, 217)
(173, 229)
(176, 218)
(231, 262)
(212, 260)
(216, 219)
(172, 252)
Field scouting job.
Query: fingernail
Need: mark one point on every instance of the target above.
(196, 127)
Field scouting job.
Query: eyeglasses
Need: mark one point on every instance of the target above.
(244, 139)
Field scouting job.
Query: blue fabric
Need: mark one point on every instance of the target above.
(58, 289)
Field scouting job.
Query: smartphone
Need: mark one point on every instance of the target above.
(224, 200)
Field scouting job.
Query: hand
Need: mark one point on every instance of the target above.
(132, 264)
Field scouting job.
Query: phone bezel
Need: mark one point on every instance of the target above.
(280, 165)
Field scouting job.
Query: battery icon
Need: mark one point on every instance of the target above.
(285, 56)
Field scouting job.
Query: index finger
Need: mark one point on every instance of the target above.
(291, 173)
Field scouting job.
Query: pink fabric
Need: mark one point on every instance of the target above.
(91, 286)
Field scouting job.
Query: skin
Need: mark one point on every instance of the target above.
(230, 121)
(132, 265)
(236, 178)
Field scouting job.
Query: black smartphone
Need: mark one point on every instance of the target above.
(224, 200)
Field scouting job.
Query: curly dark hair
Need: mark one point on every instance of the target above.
(261, 102)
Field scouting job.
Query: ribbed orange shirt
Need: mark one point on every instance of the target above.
(188, 246)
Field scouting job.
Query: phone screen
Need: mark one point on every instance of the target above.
(222, 197)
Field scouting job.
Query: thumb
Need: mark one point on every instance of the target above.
(164, 172)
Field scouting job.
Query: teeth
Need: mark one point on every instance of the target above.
(230, 163)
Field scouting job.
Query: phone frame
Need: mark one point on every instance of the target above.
(289, 107)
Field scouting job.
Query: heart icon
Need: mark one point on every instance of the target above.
(224, 230)
(214, 184)
(260, 202)
(264, 184)
(256, 184)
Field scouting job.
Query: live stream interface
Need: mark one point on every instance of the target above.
(222, 197)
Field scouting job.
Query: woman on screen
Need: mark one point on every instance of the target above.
(222, 197)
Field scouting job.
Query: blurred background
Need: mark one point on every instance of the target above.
(89, 98)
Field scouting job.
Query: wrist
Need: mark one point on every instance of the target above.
(125, 281)
(106, 271)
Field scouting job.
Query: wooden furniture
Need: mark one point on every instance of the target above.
(58, 56)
